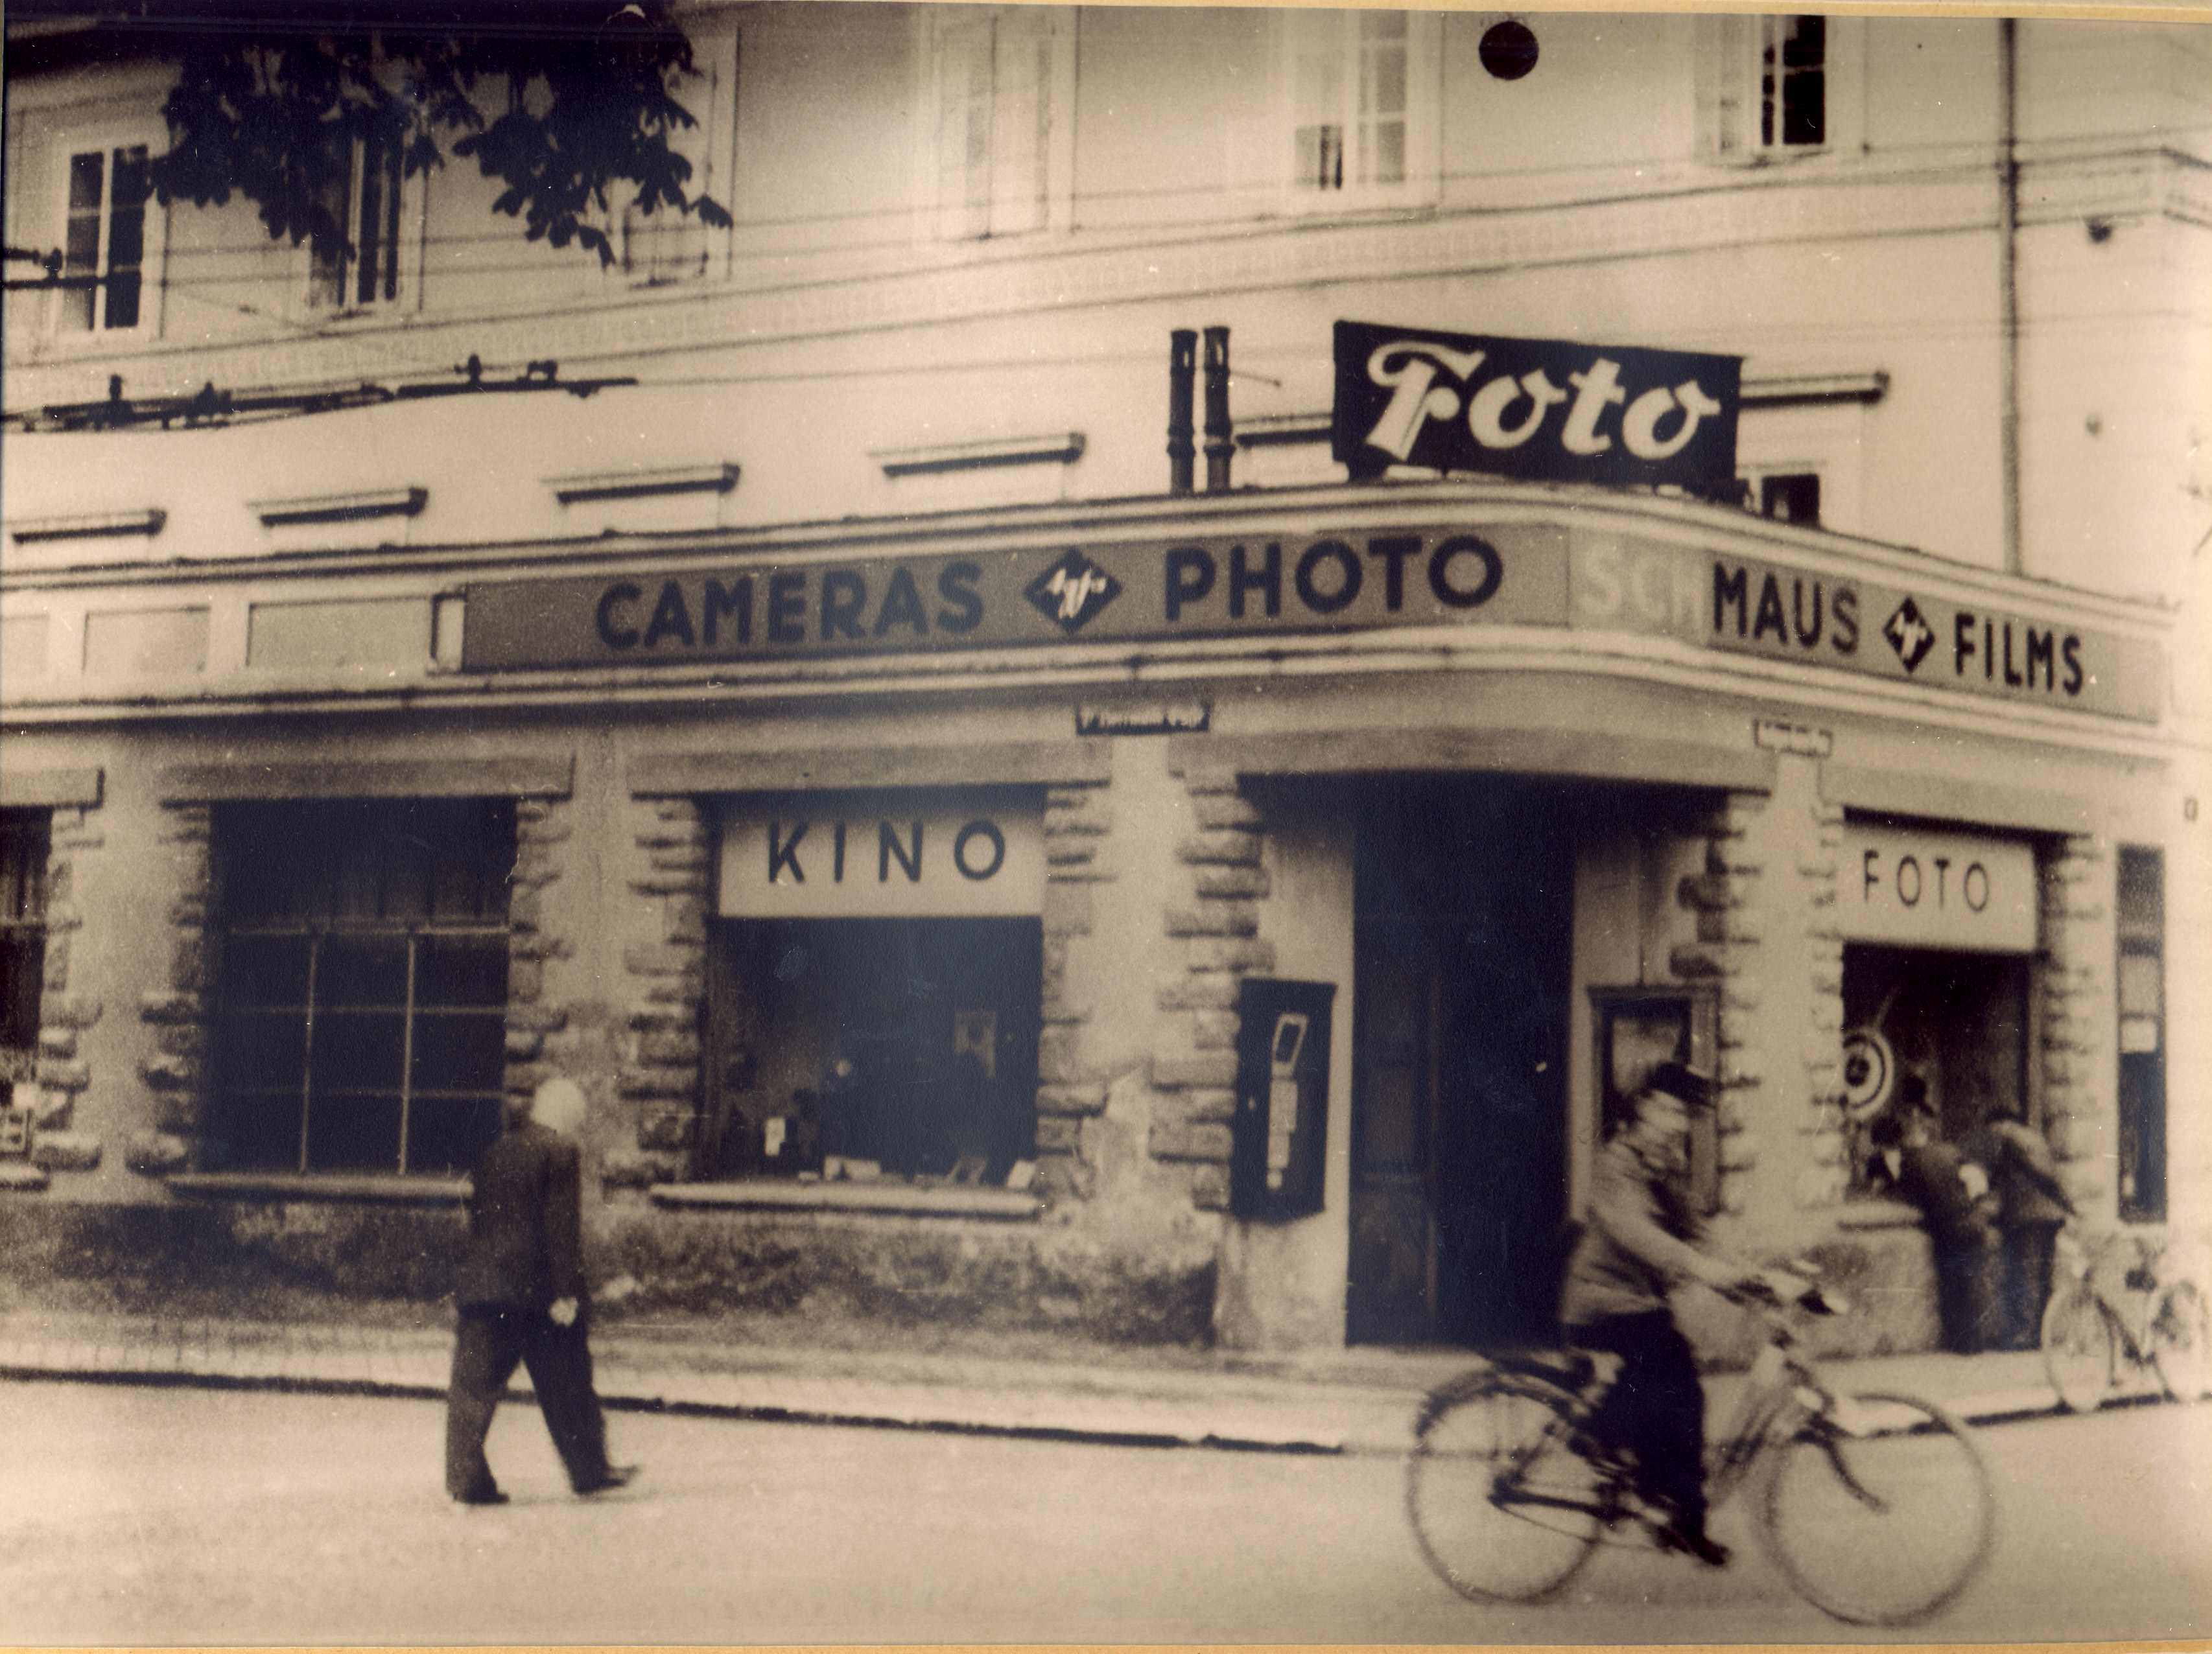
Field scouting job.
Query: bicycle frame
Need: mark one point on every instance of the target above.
(2074, 1264)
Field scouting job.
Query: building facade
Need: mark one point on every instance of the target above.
(783, 679)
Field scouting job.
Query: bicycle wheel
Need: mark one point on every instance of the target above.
(1884, 1526)
(2181, 1341)
(1503, 1507)
(2080, 1354)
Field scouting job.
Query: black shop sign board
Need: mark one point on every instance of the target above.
(1539, 410)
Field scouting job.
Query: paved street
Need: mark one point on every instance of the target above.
(149, 1514)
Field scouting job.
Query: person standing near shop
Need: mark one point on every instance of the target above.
(1951, 1192)
(521, 1300)
(2033, 1206)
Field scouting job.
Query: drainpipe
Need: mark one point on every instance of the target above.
(1220, 440)
(2008, 290)
(1182, 382)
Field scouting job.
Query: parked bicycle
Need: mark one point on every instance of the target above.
(2094, 1337)
(1877, 1508)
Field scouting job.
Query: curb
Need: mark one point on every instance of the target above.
(1134, 1423)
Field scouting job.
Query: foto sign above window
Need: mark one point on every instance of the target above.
(1924, 889)
(840, 858)
(1534, 408)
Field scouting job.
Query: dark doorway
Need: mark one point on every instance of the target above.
(1462, 978)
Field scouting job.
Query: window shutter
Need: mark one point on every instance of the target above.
(1727, 87)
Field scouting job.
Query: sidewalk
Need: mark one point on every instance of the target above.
(1357, 1400)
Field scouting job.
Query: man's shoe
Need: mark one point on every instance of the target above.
(489, 1496)
(1694, 1541)
(616, 1475)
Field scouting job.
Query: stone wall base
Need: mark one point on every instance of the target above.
(822, 1275)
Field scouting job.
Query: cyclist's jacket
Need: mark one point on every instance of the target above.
(1632, 1248)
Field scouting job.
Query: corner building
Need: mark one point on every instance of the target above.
(977, 878)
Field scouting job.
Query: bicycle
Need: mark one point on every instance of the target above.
(1877, 1508)
(2088, 1332)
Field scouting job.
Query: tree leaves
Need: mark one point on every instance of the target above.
(562, 117)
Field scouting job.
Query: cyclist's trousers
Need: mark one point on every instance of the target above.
(1657, 1406)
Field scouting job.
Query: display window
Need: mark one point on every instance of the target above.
(361, 1001)
(875, 989)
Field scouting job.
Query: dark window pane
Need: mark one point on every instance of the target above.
(1804, 108)
(1791, 497)
(22, 967)
(358, 1051)
(258, 1050)
(265, 971)
(357, 1133)
(355, 971)
(460, 971)
(256, 1132)
(448, 1135)
(126, 236)
(460, 1051)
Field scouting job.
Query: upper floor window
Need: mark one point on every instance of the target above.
(667, 245)
(23, 840)
(1003, 80)
(104, 241)
(1767, 86)
(366, 266)
(1786, 495)
(1359, 98)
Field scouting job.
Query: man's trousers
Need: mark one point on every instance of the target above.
(488, 1344)
(1657, 1406)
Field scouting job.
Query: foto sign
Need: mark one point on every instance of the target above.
(1534, 408)
(832, 858)
(1954, 891)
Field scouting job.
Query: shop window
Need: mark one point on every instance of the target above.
(1360, 95)
(2141, 989)
(1638, 1029)
(1001, 80)
(364, 269)
(23, 849)
(856, 1049)
(1768, 87)
(1956, 1023)
(104, 243)
(361, 995)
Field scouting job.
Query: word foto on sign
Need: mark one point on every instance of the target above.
(1540, 407)
(1949, 890)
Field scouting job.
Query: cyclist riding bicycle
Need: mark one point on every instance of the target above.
(1635, 1244)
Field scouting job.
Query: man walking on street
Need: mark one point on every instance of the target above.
(521, 1300)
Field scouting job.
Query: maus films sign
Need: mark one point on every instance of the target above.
(1534, 408)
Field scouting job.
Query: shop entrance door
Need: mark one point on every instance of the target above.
(1461, 977)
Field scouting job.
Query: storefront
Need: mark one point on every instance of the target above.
(1234, 917)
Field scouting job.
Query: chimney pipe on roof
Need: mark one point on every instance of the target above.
(1182, 382)
(1220, 440)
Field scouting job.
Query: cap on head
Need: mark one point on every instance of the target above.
(558, 1104)
(1683, 1083)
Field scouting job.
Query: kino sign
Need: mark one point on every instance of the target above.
(1942, 890)
(821, 860)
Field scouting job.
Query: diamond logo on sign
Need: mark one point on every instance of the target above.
(1072, 592)
(1908, 634)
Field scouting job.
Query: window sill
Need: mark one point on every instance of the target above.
(1876, 1214)
(329, 1186)
(889, 1199)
